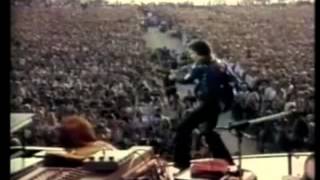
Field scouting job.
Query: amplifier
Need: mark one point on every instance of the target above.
(103, 165)
(45, 173)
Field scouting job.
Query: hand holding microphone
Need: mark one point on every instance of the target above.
(290, 106)
(173, 75)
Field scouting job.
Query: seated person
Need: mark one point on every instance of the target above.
(78, 137)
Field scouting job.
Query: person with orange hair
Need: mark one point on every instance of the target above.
(77, 135)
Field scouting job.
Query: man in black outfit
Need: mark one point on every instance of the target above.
(169, 85)
(210, 82)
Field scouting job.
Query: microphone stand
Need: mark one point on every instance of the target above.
(241, 125)
(239, 137)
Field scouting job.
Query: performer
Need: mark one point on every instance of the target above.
(211, 79)
(77, 135)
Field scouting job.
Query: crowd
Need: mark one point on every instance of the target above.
(94, 62)
(270, 49)
(91, 62)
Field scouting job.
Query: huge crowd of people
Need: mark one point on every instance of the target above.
(94, 62)
(271, 50)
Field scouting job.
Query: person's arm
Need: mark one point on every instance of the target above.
(190, 77)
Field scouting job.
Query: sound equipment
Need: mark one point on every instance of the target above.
(102, 165)
(209, 168)
(44, 173)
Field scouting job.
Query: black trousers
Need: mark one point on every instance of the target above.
(208, 113)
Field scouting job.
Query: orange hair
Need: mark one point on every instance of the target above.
(76, 132)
